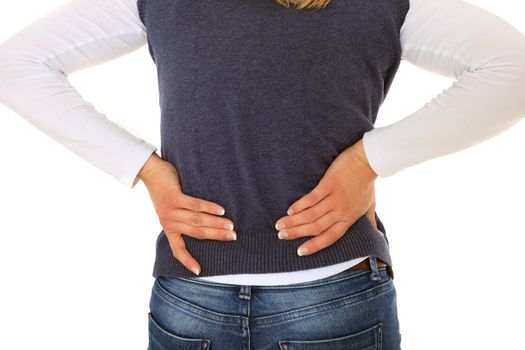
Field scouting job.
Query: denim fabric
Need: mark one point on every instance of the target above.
(355, 309)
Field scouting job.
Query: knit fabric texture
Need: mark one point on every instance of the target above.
(256, 101)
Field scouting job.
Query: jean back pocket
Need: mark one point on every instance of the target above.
(161, 339)
(367, 339)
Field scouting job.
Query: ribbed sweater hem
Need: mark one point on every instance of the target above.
(254, 253)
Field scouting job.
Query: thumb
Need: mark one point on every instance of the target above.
(370, 213)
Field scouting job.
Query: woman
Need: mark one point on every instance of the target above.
(267, 114)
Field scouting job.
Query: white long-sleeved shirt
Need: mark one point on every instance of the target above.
(485, 54)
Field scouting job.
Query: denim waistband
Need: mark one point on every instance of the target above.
(375, 274)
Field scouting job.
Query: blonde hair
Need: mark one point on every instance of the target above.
(304, 4)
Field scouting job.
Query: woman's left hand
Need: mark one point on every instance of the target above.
(343, 195)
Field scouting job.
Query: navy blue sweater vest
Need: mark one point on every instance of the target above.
(256, 101)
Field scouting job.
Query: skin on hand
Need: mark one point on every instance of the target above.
(179, 213)
(343, 195)
(345, 192)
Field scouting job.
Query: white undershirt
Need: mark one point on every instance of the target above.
(484, 53)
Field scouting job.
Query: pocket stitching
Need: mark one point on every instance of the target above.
(205, 341)
(377, 329)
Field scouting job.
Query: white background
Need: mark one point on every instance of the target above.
(77, 247)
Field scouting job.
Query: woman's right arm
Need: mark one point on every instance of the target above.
(35, 63)
(486, 57)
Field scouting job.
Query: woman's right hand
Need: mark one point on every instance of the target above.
(180, 213)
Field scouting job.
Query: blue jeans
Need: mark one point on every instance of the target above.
(352, 310)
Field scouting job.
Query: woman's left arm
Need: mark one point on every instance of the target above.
(487, 57)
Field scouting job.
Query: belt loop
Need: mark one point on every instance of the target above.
(374, 275)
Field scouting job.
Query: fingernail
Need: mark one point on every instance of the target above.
(290, 211)
(228, 226)
(196, 270)
(279, 225)
(232, 236)
(282, 234)
(302, 250)
(220, 211)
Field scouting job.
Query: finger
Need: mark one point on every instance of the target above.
(371, 216)
(370, 213)
(309, 229)
(197, 218)
(199, 204)
(324, 239)
(201, 232)
(179, 251)
(306, 216)
(314, 196)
